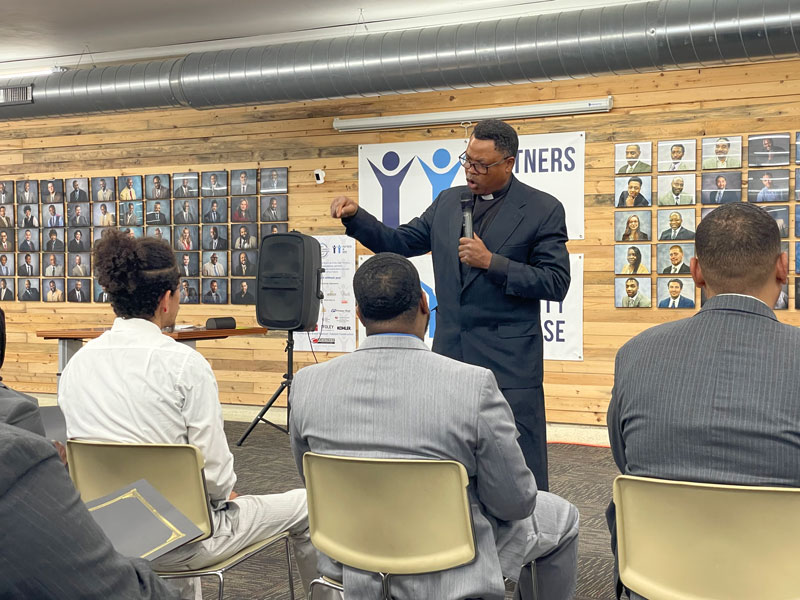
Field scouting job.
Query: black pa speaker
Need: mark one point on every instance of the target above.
(289, 280)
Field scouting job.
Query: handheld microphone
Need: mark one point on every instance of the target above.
(467, 202)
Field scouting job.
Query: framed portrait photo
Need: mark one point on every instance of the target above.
(274, 180)
(631, 158)
(674, 259)
(768, 185)
(104, 190)
(722, 152)
(632, 292)
(721, 187)
(675, 292)
(676, 189)
(768, 149)
(243, 182)
(676, 224)
(215, 183)
(632, 259)
(632, 226)
(677, 155)
(157, 187)
(185, 185)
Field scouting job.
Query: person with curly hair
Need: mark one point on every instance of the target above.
(135, 385)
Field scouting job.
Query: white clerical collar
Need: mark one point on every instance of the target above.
(488, 197)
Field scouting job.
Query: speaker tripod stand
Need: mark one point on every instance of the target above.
(286, 384)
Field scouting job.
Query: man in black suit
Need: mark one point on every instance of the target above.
(29, 293)
(489, 307)
(26, 267)
(28, 244)
(188, 293)
(5, 292)
(242, 296)
(156, 217)
(184, 190)
(186, 215)
(54, 244)
(244, 187)
(676, 261)
(77, 194)
(214, 241)
(212, 296)
(722, 195)
(676, 229)
(213, 215)
(186, 268)
(76, 244)
(78, 219)
(78, 294)
(103, 296)
(244, 268)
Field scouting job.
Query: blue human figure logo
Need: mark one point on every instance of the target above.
(390, 186)
(432, 303)
(440, 181)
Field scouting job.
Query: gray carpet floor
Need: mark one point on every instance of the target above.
(581, 474)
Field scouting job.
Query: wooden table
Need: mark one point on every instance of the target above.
(71, 340)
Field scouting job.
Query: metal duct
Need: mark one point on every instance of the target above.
(642, 37)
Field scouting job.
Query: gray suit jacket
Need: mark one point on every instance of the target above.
(20, 410)
(711, 398)
(394, 398)
(48, 524)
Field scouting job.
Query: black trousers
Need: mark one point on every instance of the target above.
(527, 404)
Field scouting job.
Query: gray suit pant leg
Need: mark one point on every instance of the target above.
(555, 549)
(527, 404)
(247, 520)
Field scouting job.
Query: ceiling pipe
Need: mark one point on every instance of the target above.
(641, 37)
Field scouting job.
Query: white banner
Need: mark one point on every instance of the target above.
(398, 181)
(562, 322)
(336, 326)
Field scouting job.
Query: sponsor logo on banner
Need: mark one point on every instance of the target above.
(397, 182)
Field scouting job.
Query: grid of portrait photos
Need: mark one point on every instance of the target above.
(663, 188)
(214, 221)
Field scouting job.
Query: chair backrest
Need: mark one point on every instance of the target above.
(175, 470)
(680, 540)
(389, 515)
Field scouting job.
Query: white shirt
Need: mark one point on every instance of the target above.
(134, 384)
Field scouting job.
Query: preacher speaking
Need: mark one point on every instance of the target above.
(488, 286)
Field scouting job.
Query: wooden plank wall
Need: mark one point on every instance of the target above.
(733, 100)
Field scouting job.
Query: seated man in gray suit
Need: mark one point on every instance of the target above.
(44, 522)
(394, 397)
(736, 418)
(16, 408)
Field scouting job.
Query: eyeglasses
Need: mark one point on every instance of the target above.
(479, 168)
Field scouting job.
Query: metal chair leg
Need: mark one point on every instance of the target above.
(289, 567)
(221, 584)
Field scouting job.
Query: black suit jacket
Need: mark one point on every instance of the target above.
(76, 246)
(237, 270)
(72, 296)
(155, 218)
(222, 244)
(487, 319)
(31, 294)
(684, 269)
(54, 246)
(78, 196)
(246, 298)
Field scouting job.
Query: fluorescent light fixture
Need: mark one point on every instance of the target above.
(34, 73)
(574, 107)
